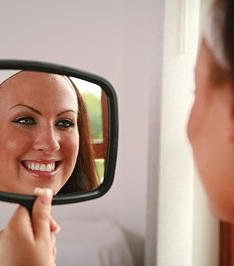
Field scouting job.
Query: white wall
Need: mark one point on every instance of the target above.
(175, 211)
(186, 232)
(205, 225)
(205, 230)
(175, 175)
(122, 41)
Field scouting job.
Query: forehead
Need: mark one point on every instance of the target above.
(38, 89)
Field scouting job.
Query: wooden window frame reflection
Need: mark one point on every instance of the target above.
(100, 149)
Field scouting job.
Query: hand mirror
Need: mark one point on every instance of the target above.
(59, 130)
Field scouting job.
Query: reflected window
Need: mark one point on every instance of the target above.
(96, 103)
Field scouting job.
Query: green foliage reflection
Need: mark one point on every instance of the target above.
(100, 169)
(93, 103)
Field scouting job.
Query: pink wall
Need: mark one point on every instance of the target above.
(120, 40)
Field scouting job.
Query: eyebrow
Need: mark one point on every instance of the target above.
(27, 106)
(37, 111)
(66, 111)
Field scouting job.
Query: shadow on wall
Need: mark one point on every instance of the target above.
(136, 246)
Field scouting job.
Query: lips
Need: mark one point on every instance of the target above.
(41, 166)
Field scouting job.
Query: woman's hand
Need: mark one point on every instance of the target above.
(28, 241)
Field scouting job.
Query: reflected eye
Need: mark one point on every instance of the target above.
(66, 123)
(25, 121)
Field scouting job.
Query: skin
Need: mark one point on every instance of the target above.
(211, 133)
(27, 240)
(38, 113)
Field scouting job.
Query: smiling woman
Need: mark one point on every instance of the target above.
(45, 139)
(47, 132)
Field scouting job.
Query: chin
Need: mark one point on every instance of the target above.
(224, 212)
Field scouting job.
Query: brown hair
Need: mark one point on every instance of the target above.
(217, 74)
(84, 175)
(227, 33)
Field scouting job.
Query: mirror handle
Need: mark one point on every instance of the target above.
(28, 205)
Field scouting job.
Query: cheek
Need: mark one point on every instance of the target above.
(13, 144)
(199, 120)
(194, 123)
(199, 132)
(190, 125)
(199, 136)
(212, 152)
(71, 147)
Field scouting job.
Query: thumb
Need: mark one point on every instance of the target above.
(41, 213)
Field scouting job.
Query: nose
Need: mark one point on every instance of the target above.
(46, 140)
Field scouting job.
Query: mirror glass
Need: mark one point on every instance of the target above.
(54, 132)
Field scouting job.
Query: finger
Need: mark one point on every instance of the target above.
(41, 213)
(21, 220)
(54, 227)
(53, 243)
(54, 252)
(53, 239)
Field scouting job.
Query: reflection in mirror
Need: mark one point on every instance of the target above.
(53, 132)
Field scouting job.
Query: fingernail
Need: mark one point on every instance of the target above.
(45, 195)
(56, 226)
(37, 191)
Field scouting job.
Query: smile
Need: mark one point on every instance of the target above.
(40, 166)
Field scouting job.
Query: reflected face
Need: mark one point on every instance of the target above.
(39, 135)
(211, 133)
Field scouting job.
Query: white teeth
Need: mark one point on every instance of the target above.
(40, 167)
(37, 166)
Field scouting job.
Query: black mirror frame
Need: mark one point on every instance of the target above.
(27, 200)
